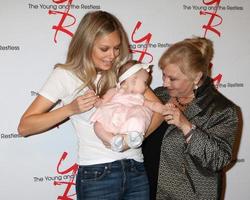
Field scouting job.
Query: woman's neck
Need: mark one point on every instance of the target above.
(183, 102)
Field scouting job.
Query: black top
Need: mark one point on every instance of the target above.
(151, 149)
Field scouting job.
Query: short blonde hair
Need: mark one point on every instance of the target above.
(192, 55)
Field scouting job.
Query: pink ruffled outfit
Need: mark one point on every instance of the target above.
(124, 113)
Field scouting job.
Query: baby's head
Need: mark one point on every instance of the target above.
(134, 76)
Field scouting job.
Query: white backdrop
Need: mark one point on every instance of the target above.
(31, 43)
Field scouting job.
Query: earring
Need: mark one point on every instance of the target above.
(195, 89)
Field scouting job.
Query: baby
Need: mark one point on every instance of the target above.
(123, 115)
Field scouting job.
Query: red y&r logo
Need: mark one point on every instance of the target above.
(145, 39)
(213, 15)
(73, 170)
(210, 26)
(60, 26)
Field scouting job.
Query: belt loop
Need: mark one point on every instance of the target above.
(109, 165)
(132, 162)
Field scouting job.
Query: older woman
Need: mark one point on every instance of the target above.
(202, 124)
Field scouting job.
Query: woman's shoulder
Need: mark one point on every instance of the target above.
(224, 103)
(65, 75)
(208, 94)
(219, 104)
(62, 72)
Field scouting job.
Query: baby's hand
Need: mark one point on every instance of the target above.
(162, 108)
(169, 105)
(98, 102)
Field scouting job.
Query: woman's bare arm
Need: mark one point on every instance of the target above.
(40, 117)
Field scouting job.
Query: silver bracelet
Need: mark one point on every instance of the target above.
(193, 127)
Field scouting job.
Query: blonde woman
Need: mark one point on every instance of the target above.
(96, 49)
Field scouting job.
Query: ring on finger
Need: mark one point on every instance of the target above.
(171, 117)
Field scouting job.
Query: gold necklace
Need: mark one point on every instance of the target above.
(183, 105)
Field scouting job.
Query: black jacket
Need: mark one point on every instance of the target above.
(192, 171)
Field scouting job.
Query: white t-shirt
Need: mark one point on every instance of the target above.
(63, 85)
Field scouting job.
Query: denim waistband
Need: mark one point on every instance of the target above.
(116, 164)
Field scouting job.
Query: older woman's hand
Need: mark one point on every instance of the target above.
(173, 115)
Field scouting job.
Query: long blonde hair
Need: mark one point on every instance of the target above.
(79, 60)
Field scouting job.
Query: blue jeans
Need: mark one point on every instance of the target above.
(119, 180)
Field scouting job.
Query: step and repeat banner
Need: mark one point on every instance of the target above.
(34, 36)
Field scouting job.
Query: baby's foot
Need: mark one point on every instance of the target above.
(117, 143)
(134, 139)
